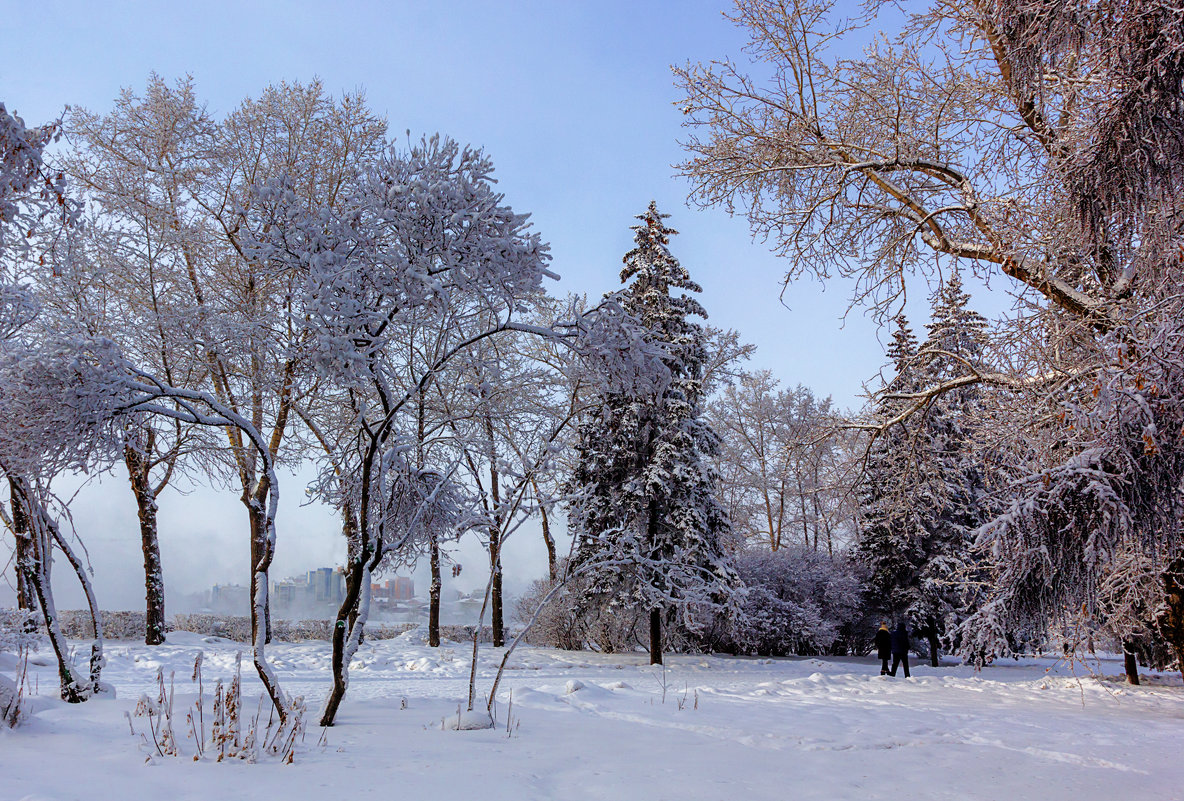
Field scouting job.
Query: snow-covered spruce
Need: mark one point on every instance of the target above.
(646, 504)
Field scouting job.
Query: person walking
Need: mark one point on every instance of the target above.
(900, 649)
(883, 644)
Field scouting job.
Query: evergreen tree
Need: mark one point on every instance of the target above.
(886, 545)
(647, 517)
(945, 592)
(924, 491)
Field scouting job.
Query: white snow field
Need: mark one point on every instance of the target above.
(592, 726)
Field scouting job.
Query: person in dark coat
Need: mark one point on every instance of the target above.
(900, 649)
(883, 647)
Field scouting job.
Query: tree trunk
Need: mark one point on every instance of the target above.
(933, 647)
(1170, 620)
(255, 512)
(1130, 663)
(36, 565)
(802, 504)
(655, 613)
(346, 620)
(26, 599)
(496, 622)
(548, 540)
(655, 636)
(97, 660)
(138, 474)
(26, 596)
(434, 596)
(550, 543)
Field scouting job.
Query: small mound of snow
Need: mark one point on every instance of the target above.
(469, 721)
(525, 695)
(415, 636)
(180, 637)
(423, 663)
(618, 685)
(574, 685)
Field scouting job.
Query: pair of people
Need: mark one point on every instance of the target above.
(894, 644)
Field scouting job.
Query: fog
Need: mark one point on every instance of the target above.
(204, 540)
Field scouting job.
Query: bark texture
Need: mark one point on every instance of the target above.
(138, 470)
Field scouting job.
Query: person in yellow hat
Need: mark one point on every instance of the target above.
(883, 646)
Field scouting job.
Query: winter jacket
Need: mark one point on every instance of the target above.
(900, 641)
(883, 644)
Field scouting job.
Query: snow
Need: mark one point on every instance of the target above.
(594, 726)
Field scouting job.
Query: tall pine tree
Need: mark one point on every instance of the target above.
(886, 543)
(925, 490)
(647, 517)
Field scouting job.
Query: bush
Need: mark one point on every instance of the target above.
(570, 621)
(75, 624)
(18, 636)
(798, 601)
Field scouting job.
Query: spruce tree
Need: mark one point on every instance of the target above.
(924, 492)
(944, 593)
(647, 517)
(886, 544)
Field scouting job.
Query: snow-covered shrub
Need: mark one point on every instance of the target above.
(799, 601)
(570, 621)
(119, 625)
(232, 627)
(18, 636)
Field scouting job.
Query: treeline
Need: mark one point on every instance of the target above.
(210, 297)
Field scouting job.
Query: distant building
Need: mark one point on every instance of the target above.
(403, 589)
(396, 589)
(315, 595)
(291, 592)
(326, 585)
(232, 599)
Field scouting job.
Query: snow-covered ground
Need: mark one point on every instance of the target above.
(591, 726)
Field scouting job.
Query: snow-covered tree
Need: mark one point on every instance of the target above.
(424, 235)
(1099, 504)
(797, 601)
(176, 186)
(784, 464)
(129, 165)
(647, 509)
(510, 438)
(44, 426)
(887, 545)
(925, 491)
(1037, 144)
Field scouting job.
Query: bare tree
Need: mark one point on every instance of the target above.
(1036, 144)
(784, 463)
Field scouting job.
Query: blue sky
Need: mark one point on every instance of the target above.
(572, 100)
